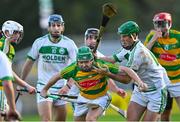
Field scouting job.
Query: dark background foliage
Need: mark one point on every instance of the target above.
(80, 14)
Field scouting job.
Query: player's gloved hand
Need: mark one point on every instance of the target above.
(13, 115)
(121, 92)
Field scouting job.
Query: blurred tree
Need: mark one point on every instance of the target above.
(81, 14)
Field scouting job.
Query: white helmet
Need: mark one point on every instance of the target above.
(12, 27)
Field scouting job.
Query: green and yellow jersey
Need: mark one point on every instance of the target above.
(11, 53)
(167, 51)
(91, 84)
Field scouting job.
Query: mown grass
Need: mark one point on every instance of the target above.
(111, 115)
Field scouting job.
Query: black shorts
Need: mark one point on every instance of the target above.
(169, 102)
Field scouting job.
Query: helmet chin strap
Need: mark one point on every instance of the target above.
(134, 42)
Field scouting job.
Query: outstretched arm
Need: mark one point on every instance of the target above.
(114, 88)
(50, 83)
(130, 73)
(142, 86)
(22, 83)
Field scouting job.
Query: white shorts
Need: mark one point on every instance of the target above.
(155, 101)
(3, 102)
(74, 91)
(174, 89)
(39, 98)
(81, 109)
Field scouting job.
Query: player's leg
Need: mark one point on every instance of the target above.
(166, 115)
(45, 110)
(135, 111)
(94, 113)
(156, 104)
(81, 118)
(178, 101)
(137, 106)
(150, 116)
(80, 112)
(60, 111)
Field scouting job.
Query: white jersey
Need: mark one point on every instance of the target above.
(5, 74)
(6, 70)
(122, 56)
(52, 57)
(146, 66)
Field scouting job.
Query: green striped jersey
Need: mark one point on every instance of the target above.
(167, 51)
(91, 84)
(11, 53)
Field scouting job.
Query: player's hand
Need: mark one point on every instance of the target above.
(142, 86)
(121, 92)
(63, 90)
(31, 89)
(44, 93)
(158, 34)
(13, 115)
(101, 70)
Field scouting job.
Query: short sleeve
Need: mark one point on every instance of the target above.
(34, 51)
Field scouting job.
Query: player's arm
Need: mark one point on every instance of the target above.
(114, 88)
(142, 86)
(12, 113)
(50, 83)
(154, 35)
(27, 68)
(22, 83)
(9, 91)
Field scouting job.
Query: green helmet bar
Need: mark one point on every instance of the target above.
(128, 28)
(84, 54)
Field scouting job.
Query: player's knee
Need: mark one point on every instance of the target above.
(91, 118)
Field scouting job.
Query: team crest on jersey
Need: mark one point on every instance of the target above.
(61, 51)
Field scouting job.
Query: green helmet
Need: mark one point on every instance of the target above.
(129, 28)
(84, 54)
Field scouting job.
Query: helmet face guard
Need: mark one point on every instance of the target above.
(55, 19)
(91, 36)
(162, 21)
(92, 33)
(130, 29)
(13, 28)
